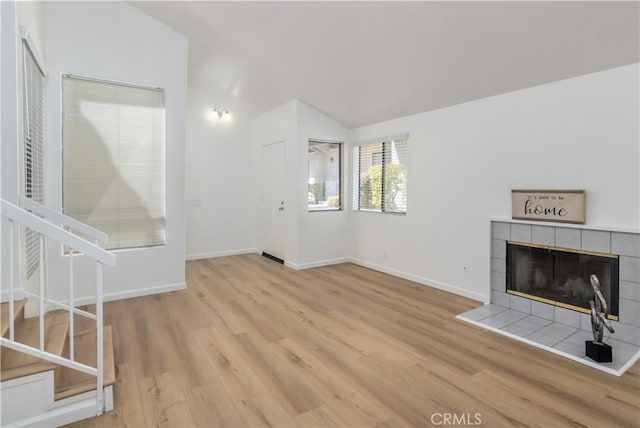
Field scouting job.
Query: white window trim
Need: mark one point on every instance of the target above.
(25, 34)
(340, 175)
(396, 137)
(401, 136)
(164, 182)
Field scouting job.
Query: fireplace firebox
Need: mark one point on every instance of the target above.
(560, 276)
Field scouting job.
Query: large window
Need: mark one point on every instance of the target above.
(113, 160)
(33, 145)
(380, 176)
(324, 175)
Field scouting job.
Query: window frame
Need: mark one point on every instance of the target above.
(104, 81)
(357, 153)
(33, 150)
(340, 144)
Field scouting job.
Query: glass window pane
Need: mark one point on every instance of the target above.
(380, 177)
(395, 176)
(370, 177)
(324, 159)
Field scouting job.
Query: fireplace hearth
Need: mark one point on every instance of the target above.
(560, 276)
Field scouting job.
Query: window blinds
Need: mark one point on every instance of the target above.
(114, 160)
(381, 176)
(33, 146)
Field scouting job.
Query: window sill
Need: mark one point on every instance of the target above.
(401, 214)
(321, 210)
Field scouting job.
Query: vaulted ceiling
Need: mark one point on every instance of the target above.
(366, 62)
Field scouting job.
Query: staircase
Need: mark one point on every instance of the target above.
(56, 367)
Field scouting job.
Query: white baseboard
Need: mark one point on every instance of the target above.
(296, 266)
(201, 256)
(139, 292)
(424, 281)
(309, 265)
(411, 277)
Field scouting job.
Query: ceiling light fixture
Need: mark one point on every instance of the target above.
(223, 113)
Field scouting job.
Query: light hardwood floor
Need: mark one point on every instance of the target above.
(253, 343)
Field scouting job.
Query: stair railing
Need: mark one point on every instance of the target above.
(49, 224)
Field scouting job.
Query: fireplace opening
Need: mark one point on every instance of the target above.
(560, 276)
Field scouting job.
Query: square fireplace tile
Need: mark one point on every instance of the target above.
(520, 304)
(542, 310)
(625, 244)
(543, 235)
(498, 265)
(499, 248)
(485, 311)
(621, 350)
(629, 312)
(629, 269)
(504, 318)
(630, 290)
(596, 240)
(526, 326)
(521, 232)
(500, 298)
(498, 281)
(585, 322)
(552, 334)
(568, 238)
(574, 344)
(566, 317)
(501, 230)
(543, 339)
(571, 348)
(626, 333)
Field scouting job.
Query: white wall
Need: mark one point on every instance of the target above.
(31, 16)
(323, 236)
(579, 133)
(220, 180)
(115, 41)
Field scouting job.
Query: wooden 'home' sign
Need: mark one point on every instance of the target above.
(563, 206)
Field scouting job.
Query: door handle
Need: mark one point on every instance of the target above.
(281, 209)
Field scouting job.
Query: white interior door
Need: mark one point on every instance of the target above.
(273, 209)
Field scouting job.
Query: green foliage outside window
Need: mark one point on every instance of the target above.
(371, 187)
(318, 191)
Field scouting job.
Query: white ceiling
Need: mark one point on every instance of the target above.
(366, 62)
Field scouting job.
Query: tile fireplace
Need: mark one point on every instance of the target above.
(540, 288)
(590, 244)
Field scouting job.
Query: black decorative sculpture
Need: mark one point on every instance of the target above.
(596, 349)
